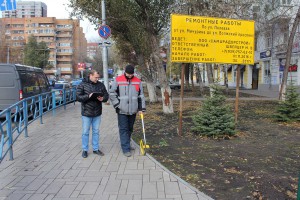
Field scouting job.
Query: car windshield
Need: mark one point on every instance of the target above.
(58, 86)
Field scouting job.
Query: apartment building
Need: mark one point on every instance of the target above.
(92, 49)
(65, 39)
(27, 9)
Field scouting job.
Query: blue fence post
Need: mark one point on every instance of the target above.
(9, 133)
(41, 108)
(25, 114)
(53, 103)
(74, 94)
(64, 98)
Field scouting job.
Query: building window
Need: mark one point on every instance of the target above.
(64, 44)
(286, 2)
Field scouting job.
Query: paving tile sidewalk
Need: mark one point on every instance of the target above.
(48, 165)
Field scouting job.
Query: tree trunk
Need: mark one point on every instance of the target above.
(201, 83)
(151, 87)
(226, 79)
(288, 57)
(197, 74)
(162, 77)
(192, 75)
(187, 75)
(210, 77)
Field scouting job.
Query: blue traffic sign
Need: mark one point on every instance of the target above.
(110, 71)
(8, 5)
(104, 31)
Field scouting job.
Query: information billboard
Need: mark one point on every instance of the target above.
(211, 40)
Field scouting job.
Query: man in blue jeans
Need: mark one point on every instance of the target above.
(127, 97)
(91, 93)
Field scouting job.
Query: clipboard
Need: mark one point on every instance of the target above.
(95, 95)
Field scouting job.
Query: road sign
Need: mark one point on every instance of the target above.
(8, 5)
(110, 71)
(211, 40)
(104, 31)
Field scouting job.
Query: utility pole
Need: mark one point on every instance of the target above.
(104, 49)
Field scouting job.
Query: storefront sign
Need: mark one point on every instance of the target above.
(265, 54)
(292, 68)
(81, 66)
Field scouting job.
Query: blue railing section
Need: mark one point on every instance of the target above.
(15, 119)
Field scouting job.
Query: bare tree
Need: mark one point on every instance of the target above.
(140, 26)
(288, 56)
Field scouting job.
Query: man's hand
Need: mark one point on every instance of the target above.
(100, 98)
(141, 112)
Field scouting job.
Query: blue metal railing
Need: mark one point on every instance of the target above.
(15, 119)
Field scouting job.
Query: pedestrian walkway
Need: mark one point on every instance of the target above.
(48, 165)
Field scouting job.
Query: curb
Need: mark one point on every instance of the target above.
(199, 193)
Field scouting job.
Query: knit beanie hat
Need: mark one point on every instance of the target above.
(129, 69)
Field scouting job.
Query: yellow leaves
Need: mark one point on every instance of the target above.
(291, 194)
(196, 165)
(257, 195)
(192, 177)
(232, 170)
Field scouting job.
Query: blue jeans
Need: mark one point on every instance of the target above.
(125, 123)
(87, 122)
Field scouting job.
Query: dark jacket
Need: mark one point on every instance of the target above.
(90, 107)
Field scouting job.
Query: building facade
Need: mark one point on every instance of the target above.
(65, 39)
(27, 9)
(92, 49)
(272, 33)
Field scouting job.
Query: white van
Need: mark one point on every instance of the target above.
(19, 81)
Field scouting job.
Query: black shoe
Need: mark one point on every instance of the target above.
(127, 154)
(98, 152)
(84, 154)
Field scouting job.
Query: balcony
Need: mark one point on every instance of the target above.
(64, 53)
(50, 71)
(64, 66)
(65, 59)
(66, 35)
(66, 70)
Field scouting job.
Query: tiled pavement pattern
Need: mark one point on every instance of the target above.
(48, 165)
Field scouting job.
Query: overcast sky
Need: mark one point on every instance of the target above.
(59, 9)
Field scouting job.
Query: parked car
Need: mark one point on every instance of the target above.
(19, 81)
(173, 85)
(62, 81)
(51, 81)
(76, 82)
(58, 88)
